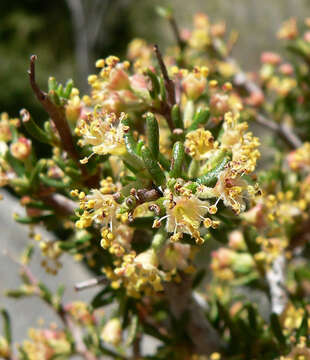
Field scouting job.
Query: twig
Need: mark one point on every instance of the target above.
(90, 283)
(203, 336)
(136, 348)
(176, 32)
(283, 130)
(59, 119)
(169, 84)
(55, 113)
(61, 204)
(241, 80)
(276, 281)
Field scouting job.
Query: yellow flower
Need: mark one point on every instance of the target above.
(104, 132)
(185, 214)
(198, 143)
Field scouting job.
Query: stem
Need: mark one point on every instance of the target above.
(56, 114)
(176, 32)
(169, 84)
(90, 283)
(204, 337)
(276, 281)
(286, 133)
(59, 119)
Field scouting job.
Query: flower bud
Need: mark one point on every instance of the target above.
(255, 216)
(194, 85)
(255, 99)
(307, 36)
(21, 149)
(147, 260)
(286, 69)
(73, 110)
(5, 132)
(4, 348)
(236, 240)
(119, 79)
(271, 58)
(219, 104)
(112, 332)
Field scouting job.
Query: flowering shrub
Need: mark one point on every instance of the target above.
(151, 180)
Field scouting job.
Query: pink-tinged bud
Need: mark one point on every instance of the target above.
(201, 21)
(236, 240)
(218, 30)
(119, 79)
(84, 112)
(185, 34)
(194, 85)
(288, 30)
(255, 216)
(271, 58)
(255, 99)
(307, 36)
(286, 69)
(21, 149)
(139, 83)
(113, 103)
(219, 104)
(112, 332)
(222, 258)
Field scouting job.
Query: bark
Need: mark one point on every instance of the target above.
(204, 337)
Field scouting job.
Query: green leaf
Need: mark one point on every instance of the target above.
(7, 330)
(201, 118)
(31, 220)
(198, 278)
(303, 329)
(276, 328)
(133, 329)
(52, 83)
(164, 12)
(101, 299)
(17, 293)
(58, 184)
(17, 165)
(46, 294)
(155, 83)
(178, 154)
(211, 177)
(176, 117)
(37, 170)
(252, 316)
(68, 89)
(152, 133)
(152, 166)
(33, 129)
(250, 235)
(164, 162)
(159, 239)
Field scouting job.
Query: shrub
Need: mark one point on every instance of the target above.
(151, 181)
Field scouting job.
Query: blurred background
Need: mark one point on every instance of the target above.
(67, 36)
